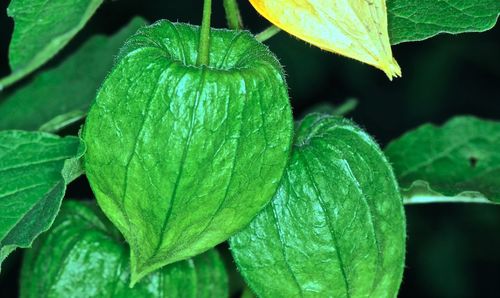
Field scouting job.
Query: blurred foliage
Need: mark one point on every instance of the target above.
(453, 250)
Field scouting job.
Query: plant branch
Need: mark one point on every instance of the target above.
(204, 45)
(233, 15)
(267, 33)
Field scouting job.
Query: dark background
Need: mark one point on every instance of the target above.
(453, 250)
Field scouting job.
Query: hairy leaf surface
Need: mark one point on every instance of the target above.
(412, 20)
(41, 29)
(83, 255)
(459, 159)
(180, 157)
(336, 225)
(62, 95)
(34, 170)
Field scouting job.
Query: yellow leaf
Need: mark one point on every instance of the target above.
(353, 28)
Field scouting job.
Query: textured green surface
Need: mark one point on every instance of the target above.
(336, 226)
(413, 20)
(83, 256)
(41, 29)
(34, 171)
(459, 159)
(64, 93)
(181, 157)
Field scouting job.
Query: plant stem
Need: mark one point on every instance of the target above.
(417, 200)
(233, 15)
(267, 33)
(346, 107)
(204, 47)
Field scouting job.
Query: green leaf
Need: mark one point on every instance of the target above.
(461, 159)
(336, 225)
(51, 101)
(83, 256)
(180, 157)
(420, 192)
(413, 20)
(34, 170)
(41, 29)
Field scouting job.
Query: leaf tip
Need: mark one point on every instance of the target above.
(391, 69)
(135, 276)
(133, 281)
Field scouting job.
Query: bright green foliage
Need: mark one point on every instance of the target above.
(41, 29)
(180, 157)
(34, 171)
(336, 225)
(83, 256)
(459, 159)
(413, 20)
(64, 93)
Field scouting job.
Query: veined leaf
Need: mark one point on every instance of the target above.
(83, 255)
(179, 156)
(459, 159)
(412, 20)
(34, 170)
(62, 95)
(352, 28)
(41, 29)
(336, 225)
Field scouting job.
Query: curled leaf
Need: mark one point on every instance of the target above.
(352, 28)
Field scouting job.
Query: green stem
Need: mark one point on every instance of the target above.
(438, 199)
(267, 33)
(346, 107)
(204, 47)
(233, 15)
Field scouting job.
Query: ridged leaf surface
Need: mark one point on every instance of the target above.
(335, 227)
(460, 159)
(49, 101)
(413, 20)
(83, 255)
(34, 170)
(41, 29)
(179, 156)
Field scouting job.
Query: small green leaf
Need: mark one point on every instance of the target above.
(50, 102)
(34, 170)
(461, 159)
(336, 225)
(83, 255)
(180, 157)
(41, 29)
(413, 20)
